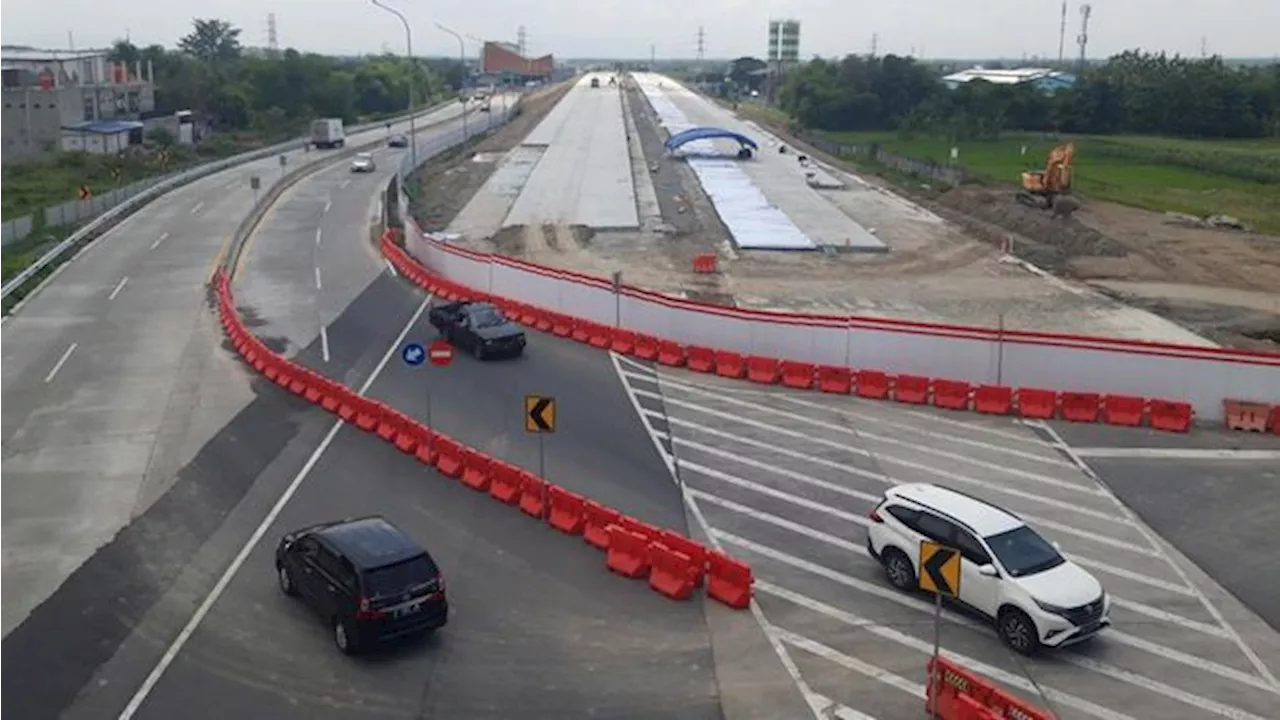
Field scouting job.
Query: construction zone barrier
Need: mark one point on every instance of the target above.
(998, 399)
(633, 546)
(729, 580)
(704, 264)
(1246, 416)
(956, 693)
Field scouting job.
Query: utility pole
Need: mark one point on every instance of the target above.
(522, 41)
(701, 49)
(413, 77)
(273, 40)
(1085, 11)
(875, 44)
(462, 58)
(1062, 35)
(653, 57)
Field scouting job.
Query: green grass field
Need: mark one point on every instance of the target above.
(1238, 178)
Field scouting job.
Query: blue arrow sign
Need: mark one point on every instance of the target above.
(413, 354)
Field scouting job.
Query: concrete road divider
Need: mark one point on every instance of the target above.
(953, 394)
(681, 561)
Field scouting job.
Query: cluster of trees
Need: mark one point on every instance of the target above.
(1134, 92)
(276, 94)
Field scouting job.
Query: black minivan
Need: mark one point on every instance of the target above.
(366, 578)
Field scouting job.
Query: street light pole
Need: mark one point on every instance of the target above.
(413, 76)
(462, 57)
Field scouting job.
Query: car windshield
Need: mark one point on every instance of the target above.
(487, 317)
(364, 157)
(401, 576)
(1023, 552)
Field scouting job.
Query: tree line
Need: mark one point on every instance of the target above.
(278, 94)
(1132, 93)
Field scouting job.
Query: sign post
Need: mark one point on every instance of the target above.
(617, 298)
(940, 575)
(255, 183)
(540, 419)
(440, 355)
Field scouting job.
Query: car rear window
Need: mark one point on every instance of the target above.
(396, 578)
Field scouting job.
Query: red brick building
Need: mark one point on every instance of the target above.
(500, 58)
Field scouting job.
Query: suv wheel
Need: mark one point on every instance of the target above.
(286, 581)
(343, 637)
(1018, 631)
(897, 566)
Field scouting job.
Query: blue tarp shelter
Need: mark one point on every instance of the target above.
(707, 133)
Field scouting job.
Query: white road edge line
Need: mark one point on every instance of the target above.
(318, 287)
(163, 236)
(1176, 453)
(1248, 651)
(196, 208)
(319, 232)
(327, 204)
(61, 361)
(813, 700)
(324, 343)
(119, 286)
(392, 268)
(206, 605)
(345, 183)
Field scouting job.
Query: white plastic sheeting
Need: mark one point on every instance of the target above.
(1201, 376)
(753, 222)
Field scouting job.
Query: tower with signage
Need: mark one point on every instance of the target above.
(784, 51)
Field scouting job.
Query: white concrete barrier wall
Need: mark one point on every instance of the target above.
(1201, 376)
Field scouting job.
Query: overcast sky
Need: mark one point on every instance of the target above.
(618, 28)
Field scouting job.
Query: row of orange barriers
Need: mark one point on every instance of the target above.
(674, 565)
(955, 693)
(1032, 403)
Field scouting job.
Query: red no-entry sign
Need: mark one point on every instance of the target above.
(440, 353)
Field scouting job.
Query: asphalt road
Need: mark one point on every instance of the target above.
(109, 384)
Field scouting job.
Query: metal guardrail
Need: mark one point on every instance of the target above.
(134, 203)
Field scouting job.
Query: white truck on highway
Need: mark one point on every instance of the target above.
(327, 133)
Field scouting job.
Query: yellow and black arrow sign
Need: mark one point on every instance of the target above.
(84, 192)
(539, 414)
(939, 569)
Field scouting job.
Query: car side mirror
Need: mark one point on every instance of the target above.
(988, 570)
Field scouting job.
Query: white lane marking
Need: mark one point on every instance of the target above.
(1176, 453)
(197, 207)
(392, 268)
(163, 236)
(811, 698)
(327, 204)
(345, 183)
(816, 648)
(1097, 666)
(877, 477)
(833, 709)
(324, 343)
(61, 361)
(1169, 617)
(319, 232)
(1248, 651)
(1020, 682)
(119, 286)
(318, 287)
(206, 605)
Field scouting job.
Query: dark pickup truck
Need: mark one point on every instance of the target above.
(480, 328)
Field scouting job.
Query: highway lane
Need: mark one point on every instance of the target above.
(108, 383)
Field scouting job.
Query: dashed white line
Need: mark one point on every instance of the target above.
(318, 286)
(119, 286)
(345, 183)
(61, 361)
(327, 204)
(324, 343)
(206, 605)
(197, 207)
(163, 236)
(319, 232)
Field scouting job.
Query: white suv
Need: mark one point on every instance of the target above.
(1008, 572)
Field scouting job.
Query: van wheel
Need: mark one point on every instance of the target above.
(1018, 632)
(286, 581)
(898, 568)
(344, 637)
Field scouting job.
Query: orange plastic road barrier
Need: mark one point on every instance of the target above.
(993, 399)
(872, 384)
(427, 453)
(505, 482)
(300, 380)
(389, 423)
(533, 496)
(647, 347)
(314, 389)
(702, 359)
(796, 374)
(947, 683)
(1245, 415)
(624, 342)
(639, 527)
(1275, 419)
(1124, 410)
(833, 379)
(730, 364)
(729, 580)
(1036, 403)
(601, 336)
(1169, 416)
(410, 435)
(368, 413)
(528, 315)
(596, 521)
(969, 709)
(703, 264)
(951, 394)
(696, 552)
(913, 389)
(347, 406)
(1001, 704)
(628, 553)
(762, 370)
(543, 322)
(449, 457)
(477, 470)
(565, 510)
(581, 331)
(671, 353)
(1080, 407)
(669, 572)
(331, 395)
(562, 325)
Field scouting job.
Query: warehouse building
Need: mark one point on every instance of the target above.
(502, 63)
(1044, 79)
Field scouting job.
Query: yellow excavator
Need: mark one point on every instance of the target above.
(1044, 189)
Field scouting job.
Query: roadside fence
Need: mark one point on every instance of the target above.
(16, 229)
